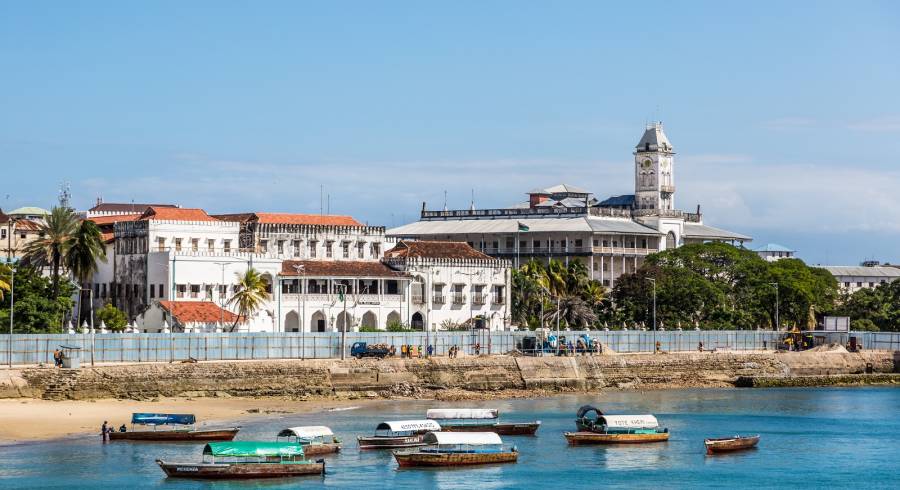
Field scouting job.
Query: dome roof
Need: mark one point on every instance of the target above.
(29, 211)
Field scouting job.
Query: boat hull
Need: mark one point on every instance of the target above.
(579, 438)
(176, 435)
(221, 471)
(453, 459)
(375, 442)
(727, 445)
(317, 449)
(520, 429)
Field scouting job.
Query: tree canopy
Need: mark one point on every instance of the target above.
(37, 309)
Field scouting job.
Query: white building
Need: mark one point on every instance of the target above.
(179, 266)
(853, 278)
(564, 222)
(773, 251)
(454, 284)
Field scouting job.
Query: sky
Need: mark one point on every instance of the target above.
(785, 116)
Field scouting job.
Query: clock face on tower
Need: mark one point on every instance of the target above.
(646, 164)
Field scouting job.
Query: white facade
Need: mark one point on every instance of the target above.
(853, 278)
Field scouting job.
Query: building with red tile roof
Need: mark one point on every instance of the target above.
(175, 214)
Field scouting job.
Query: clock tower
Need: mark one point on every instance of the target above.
(654, 178)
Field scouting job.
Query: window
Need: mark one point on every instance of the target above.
(495, 245)
(195, 290)
(223, 289)
(596, 265)
(536, 243)
(643, 243)
(596, 243)
(606, 243)
(847, 284)
(615, 243)
(195, 244)
(375, 249)
(360, 250)
(280, 247)
(296, 248)
(178, 244)
(161, 244)
(522, 244)
(180, 290)
(478, 296)
(606, 282)
(345, 246)
(226, 246)
(437, 291)
(162, 292)
(211, 245)
(497, 296)
(329, 251)
(263, 246)
(137, 291)
(3, 233)
(209, 291)
(96, 290)
(103, 290)
(509, 243)
(312, 248)
(579, 243)
(153, 290)
(859, 284)
(871, 284)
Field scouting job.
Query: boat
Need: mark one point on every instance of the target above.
(246, 459)
(171, 427)
(400, 433)
(458, 449)
(728, 444)
(315, 439)
(479, 420)
(615, 429)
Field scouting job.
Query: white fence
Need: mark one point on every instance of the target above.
(38, 348)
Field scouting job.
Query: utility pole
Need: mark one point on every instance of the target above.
(12, 308)
(301, 313)
(343, 288)
(654, 312)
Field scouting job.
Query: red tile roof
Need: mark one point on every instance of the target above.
(307, 219)
(124, 207)
(108, 237)
(197, 312)
(338, 268)
(176, 214)
(27, 225)
(435, 250)
(109, 220)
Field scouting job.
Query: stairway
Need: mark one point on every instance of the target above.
(60, 384)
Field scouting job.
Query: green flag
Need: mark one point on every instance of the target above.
(522, 226)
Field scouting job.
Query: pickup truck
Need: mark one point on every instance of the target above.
(362, 349)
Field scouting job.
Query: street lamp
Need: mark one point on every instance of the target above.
(653, 280)
(300, 268)
(343, 288)
(777, 323)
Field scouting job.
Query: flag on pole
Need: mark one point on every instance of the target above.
(522, 226)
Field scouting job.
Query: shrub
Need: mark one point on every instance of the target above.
(113, 317)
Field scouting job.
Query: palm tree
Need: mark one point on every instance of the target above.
(5, 272)
(50, 249)
(83, 248)
(249, 295)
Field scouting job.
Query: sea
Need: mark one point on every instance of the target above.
(810, 438)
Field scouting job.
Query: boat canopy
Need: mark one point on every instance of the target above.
(251, 448)
(408, 425)
(629, 421)
(462, 413)
(163, 419)
(306, 432)
(460, 438)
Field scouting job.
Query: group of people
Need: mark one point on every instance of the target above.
(106, 430)
(453, 352)
(58, 357)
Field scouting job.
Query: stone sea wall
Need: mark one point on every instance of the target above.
(323, 378)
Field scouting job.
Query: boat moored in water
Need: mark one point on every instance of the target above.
(400, 433)
(458, 449)
(479, 420)
(315, 439)
(615, 429)
(171, 427)
(246, 459)
(729, 444)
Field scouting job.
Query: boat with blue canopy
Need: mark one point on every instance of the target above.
(246, 459)
(171, 427)
(458, 449)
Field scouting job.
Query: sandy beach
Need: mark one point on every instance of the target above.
(24, 420)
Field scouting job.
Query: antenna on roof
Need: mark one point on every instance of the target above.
(445, 199)
(65, 196)
(472, 204)
(321, 199)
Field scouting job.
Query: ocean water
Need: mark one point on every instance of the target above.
(811, 438)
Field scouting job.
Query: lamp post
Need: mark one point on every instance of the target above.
(653, 280)
(12, 307)
(343, 288)
(777, 323)
(300, 268)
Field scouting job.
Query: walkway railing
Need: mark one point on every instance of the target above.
(38, 348)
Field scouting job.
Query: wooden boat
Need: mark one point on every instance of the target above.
(615, 429)
(458, 449)
(245, 459)
(175, 427)
(728, 444)
(479, 420)
(401, 433)
(315, 439)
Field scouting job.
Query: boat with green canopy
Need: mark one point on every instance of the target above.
(246, 459)
(171, 427)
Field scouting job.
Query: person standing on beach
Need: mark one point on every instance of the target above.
(104, 431)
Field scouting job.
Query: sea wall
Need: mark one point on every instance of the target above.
(317, 378)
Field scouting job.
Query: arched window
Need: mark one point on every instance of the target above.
(670, 240)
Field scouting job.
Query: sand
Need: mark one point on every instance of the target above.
(24, 420)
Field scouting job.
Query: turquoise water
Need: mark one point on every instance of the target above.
(811, 438)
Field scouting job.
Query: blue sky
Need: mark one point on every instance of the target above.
(785, 115)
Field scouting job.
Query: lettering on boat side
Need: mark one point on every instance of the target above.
(187, 468)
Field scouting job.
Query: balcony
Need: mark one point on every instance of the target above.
(459, 299)
(667, 189)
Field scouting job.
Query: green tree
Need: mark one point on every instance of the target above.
(112, 317)
(37, 310)
(397, 326)
(49, 250)
(83, 249)
(873, 309)
(5, 278)
(539, 288)
(249, 296)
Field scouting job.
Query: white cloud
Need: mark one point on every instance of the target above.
(790, 123)
(879, 124)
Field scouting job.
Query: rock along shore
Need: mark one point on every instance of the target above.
(464, 377)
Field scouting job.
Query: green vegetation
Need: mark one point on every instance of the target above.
(38, 309)
(537, 287)
(55, 239)
(873, 309)
(112, 317)
(249, 295)
(395, 326)
(370, 329)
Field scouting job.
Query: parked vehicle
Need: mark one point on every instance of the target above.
(363, 349)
